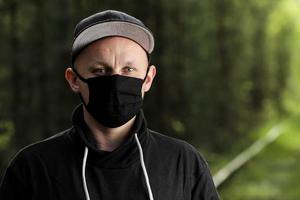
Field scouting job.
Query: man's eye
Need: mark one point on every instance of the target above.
(99, 71)
(129, 69)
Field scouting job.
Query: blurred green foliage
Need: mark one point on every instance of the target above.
(6, 134)
(225, 67)
(273, 173)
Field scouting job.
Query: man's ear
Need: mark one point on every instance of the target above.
(72, 79)
(149, 78)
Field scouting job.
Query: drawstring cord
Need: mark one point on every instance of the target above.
(144, 167)
(86, 192)
(86, 151)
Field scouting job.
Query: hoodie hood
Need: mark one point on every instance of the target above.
(123, 156)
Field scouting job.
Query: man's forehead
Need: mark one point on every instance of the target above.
(121, 41)
(114, 50)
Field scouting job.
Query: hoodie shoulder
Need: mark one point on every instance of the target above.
(48, 147)
(54, 142)
(171, 142)
(173, 146)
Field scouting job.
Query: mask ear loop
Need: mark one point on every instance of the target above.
(146, 73)
(78, 75)
(149, 60)
(82, 79)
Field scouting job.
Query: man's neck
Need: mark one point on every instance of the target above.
(107, 139)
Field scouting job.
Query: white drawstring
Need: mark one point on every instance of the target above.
(86, 150)
(143, 166)
(86, 192)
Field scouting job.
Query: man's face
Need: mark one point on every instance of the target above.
(109, 56)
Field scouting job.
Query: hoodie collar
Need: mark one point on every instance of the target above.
(123, 156)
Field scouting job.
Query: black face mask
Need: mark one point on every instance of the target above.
(113, 100)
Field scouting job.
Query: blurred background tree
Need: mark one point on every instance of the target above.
(225, 67)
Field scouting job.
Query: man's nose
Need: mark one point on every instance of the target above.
(115, 72)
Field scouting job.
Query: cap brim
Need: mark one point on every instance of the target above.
(139, 34)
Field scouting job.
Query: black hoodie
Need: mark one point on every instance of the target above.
(54, 168)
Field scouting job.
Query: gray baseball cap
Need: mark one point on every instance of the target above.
(111, 23)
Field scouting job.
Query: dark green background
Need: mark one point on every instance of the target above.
(225, 68)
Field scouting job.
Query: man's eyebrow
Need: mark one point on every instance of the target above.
(99, 64)
(129, 64)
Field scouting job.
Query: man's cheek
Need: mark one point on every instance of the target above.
(84, 91)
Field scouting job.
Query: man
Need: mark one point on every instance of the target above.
(109, 153)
